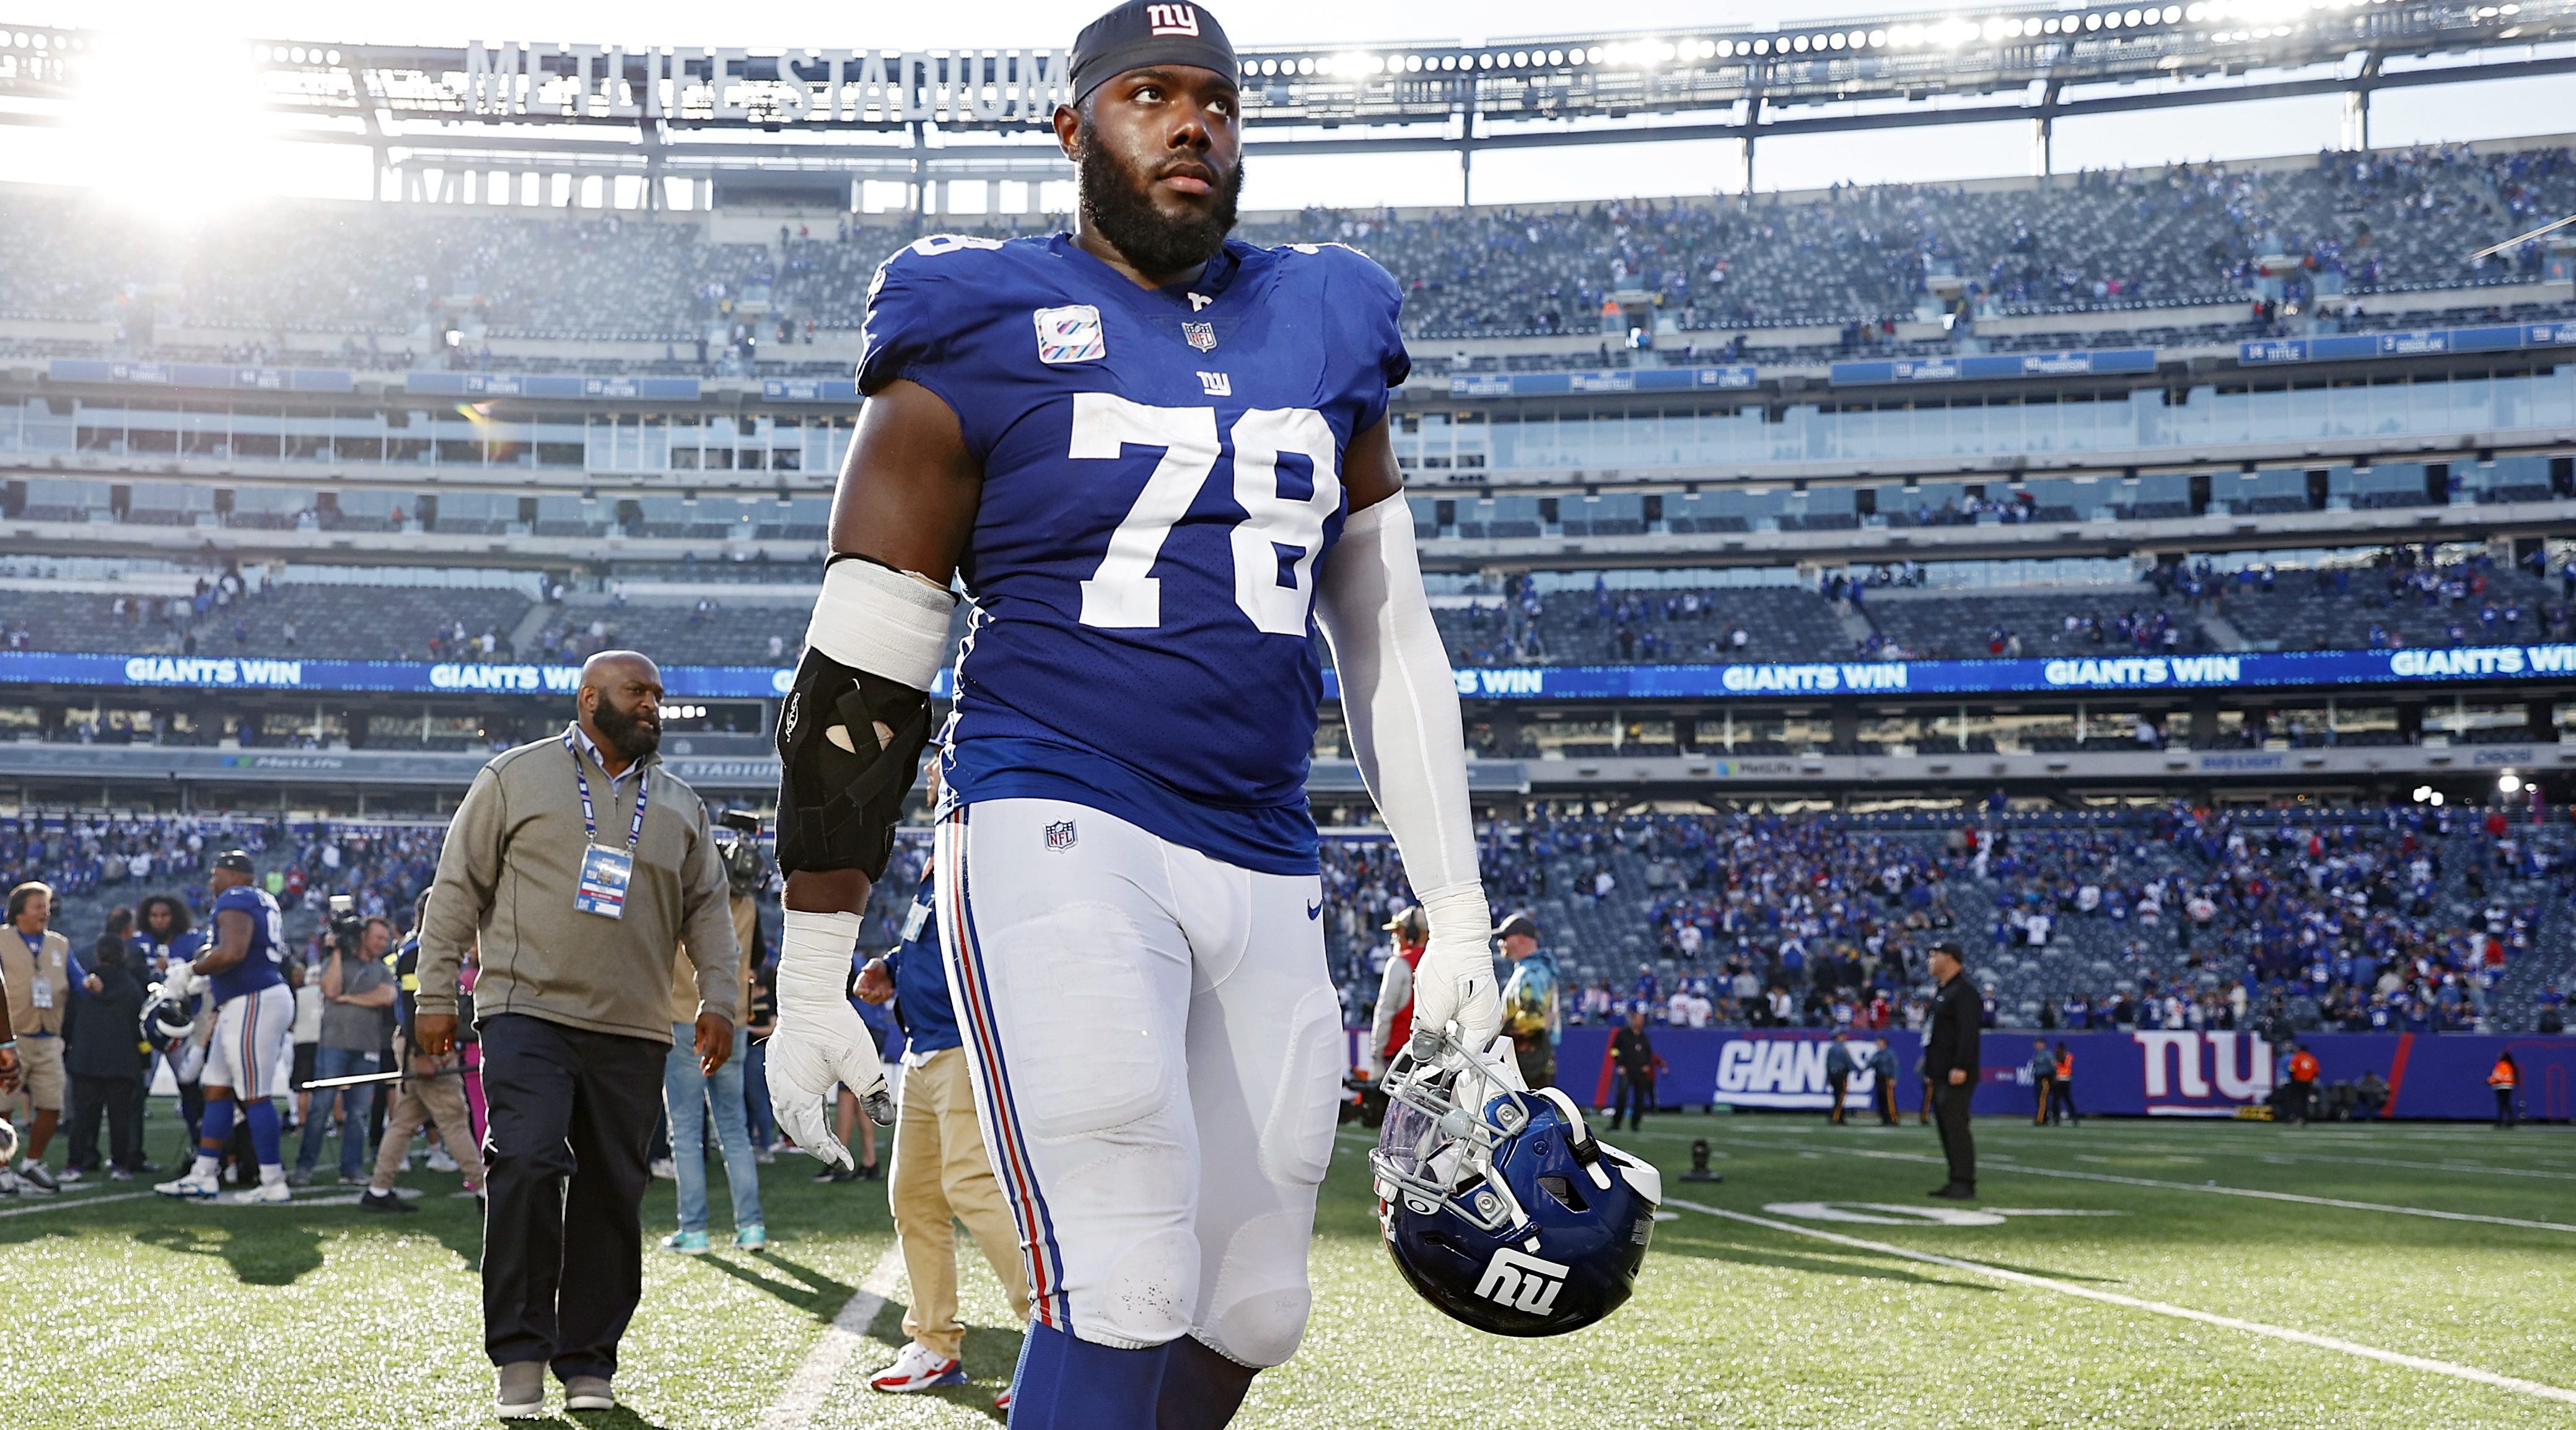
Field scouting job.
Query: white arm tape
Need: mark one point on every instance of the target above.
(882, 621)
(814, 959)
(1400, 703)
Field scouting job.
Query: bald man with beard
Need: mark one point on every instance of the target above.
(580, 866)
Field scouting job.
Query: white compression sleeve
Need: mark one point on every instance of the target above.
(882, 621)
(1400, 703)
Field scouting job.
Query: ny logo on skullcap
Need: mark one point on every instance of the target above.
(1200, 335)
(1173, 19)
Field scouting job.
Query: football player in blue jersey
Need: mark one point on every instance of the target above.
(1158, 460)
(244, 970)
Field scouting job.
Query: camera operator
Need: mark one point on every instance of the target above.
(737, 836)
(357, 988)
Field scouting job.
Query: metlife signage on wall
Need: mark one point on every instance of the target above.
(1748, 681)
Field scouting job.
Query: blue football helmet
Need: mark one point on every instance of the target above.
(1498, 1204)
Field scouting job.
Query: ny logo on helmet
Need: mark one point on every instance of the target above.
(1524, 1283)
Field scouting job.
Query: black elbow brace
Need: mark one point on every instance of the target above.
(837, 808)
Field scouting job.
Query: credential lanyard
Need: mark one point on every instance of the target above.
(590, 822)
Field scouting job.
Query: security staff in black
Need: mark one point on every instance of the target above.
(1950, 1064)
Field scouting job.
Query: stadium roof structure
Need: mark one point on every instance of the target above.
(924, 115)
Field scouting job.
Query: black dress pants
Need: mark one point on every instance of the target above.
(114, 1099)
(565, 1172)
(1950, 1115)
(1636, 1094)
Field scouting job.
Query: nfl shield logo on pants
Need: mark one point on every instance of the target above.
(1059, 836)
(1201, 335)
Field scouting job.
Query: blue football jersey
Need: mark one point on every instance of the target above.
(264, 965)
(1162, 483)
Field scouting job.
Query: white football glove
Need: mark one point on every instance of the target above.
(820, 1042)
(179, 981)
(1454, 984)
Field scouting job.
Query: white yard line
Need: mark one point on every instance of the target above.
(813, 1380)
(2160, 1308)
(64, 1203)
(2206, 1188)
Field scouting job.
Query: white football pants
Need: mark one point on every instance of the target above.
(1156, 1051)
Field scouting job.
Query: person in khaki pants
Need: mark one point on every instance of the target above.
(941, 1170)
(432, 1090)
(35, 962)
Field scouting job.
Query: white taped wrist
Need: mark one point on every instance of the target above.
(814, 956)
(1459, 913)
(882, 621)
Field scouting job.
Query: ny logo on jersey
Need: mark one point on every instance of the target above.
(1059, 835)
(1524, 1283)
(1200, 335)
(1173, 19)
(1216, 384)
(1070, 334)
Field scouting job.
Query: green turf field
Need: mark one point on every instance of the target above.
(131, 1311)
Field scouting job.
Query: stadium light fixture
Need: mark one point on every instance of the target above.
(2509, 782)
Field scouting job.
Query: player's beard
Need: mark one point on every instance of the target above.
(1120, 204)
(627, 731)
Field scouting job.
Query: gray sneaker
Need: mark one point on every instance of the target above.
(589, 1392)
(522, 1393)
(38, 1180)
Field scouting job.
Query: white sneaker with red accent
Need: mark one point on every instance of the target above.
(917, 1367)
(1002, 1402)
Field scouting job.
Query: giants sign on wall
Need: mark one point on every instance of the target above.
(2200, 1074)
(2118, 1072)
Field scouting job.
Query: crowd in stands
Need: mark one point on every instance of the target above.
(2409, 597)
(2402, 596)
(2398, 596)
(238, 613)
(2399, 919)
(704, 631)
(1855, 258)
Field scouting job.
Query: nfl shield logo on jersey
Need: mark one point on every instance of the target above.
(1059, 835)
(1201, 335)
(1070, 334)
